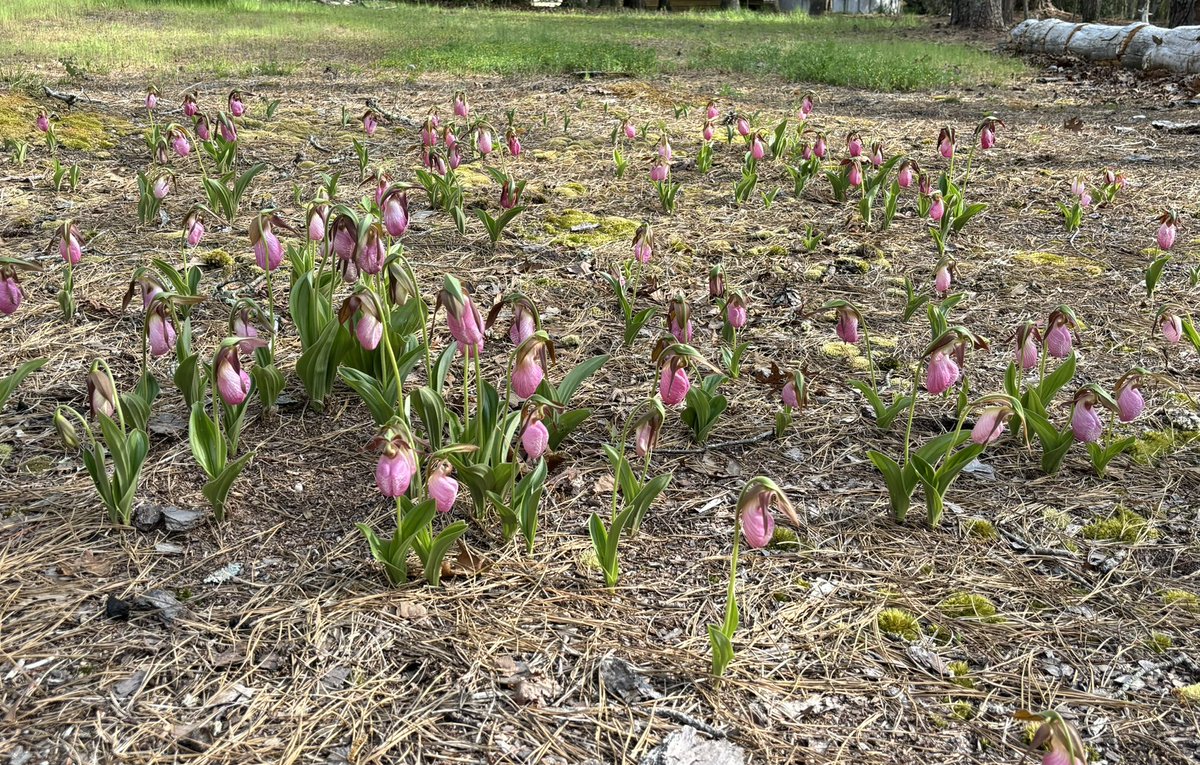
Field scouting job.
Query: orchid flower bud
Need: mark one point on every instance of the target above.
(708, 131)
(268, 252)
(429, 136)
(806, 106)
(795, 391)
(1085, 421)
(396, 467)
(535, 438)
(716, 281)
(190, 108)
(11, 293)
(441, 486)
(483, 141)
(924, 183)
(1078, 186)
(462, 317)
(448, 137)
(1026, 352)
(318, 215)
(673, 384)
(510, 194)
(660, 170)
(904, 176)
(454, 158)
(645, 432)
(946, 139)
(101, 391)
(369, 327)
(630, 130)
(66, 430)
(711, 112)
(1130, 401)
(679, 320)
(401, 287)
(524, 321)
(1167, 228)
(806, 151)
(938, 208)
(161, 154)
(643, 243)
(854, 172)
(233, 384)
(743, 126)
(203, 128)
(754, 510)
(943, 276)
(237, 107)
(151, 98)
(460, 106)
(990, 425)
(370, 123)
(854, 144)
(847, 324)
(162, 187)
(514, 143)
(758, 148)
(226, 128)
(69, 247)
(159, 330)
(819, 147)
(43, 122)
(664, 148)
(180, 143)
(437, 163)
(529, 364)
(241, 325)
(876, 155)
(1171, 326)
(395, 211)
(735, 310)
(1059, 336)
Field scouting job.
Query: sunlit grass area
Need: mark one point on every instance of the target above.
(278, 37)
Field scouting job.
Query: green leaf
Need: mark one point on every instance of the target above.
(208, 447)
(269, 382)
(438, 549)
(562, 425)
(431, 410)
(370, 390)
(10, 383)
(217, 490)
(641, 503)
(722, 649)
(578, 374)
(965, 216)
(1055, 381)
(318, 363)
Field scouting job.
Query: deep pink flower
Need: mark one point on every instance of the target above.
(460, 106)
(854, 145)
(847, 325)
(659, 170)
(1058, 341)
(514, 143)
(268, 252)
(43, 122)
(1172, 328)
(232, 381)
(1166, 236)
(462, 317)
(237, 107)
(429, 134)
(370, 124)
(203, 128)
(990, 425)
(819, 147)
(854, 174)
(877, 155)
(664, 148)
(743, 127)
(806, 107)
(368, 330)
(535, 439)
(643, 244)
(241, 326)
(711, 112)
(674, 384)
(442, 487)
(454, 158)
(946, 138)
(1085, 422)
(791, 396)
(707, 132)
(181, 145)
(396, 468)
(159, 331)
(758, 149)
(10, 293)
(227, 130)
(905, 176)
(162, 187)
(942, 374)
(189, 105)
(758, 524)
(523, 324)
(527, 376)
(151, 100)
(938, 208)
(736, 313)
(483, 141)
(1130, 402)
(1026, 354)
(68, 244)
(942, 279)
(630, 130)
(395, 212)
(316, 222)
(987, 138)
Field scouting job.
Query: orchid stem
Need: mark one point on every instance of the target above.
(912, 408)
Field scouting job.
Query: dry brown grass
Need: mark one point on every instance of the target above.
(307, 655)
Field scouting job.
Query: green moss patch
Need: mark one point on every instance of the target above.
(1123, 525)
(899, 623)
(1052, 262)
(966, 605)
(575, 228)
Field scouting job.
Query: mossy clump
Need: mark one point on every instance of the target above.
(1053, 262)
(1123, 525)
(962, 710)
(1155, 444)
(570, 190)
(960, 674)
(966, 605)
(720, 246)
(981, 529)
(217, 258)
(1189, 694)
(839, 349)
(887, 343)
(768, 251)
(6, 451)
(784, 539)
(1159, 642)
(1056, 519)
(847, 264)
(471, 178)
(76, 130)
(1188, 601)
(590, 230)
(899, 623)
(815, 273)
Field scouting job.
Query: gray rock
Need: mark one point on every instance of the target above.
(178, 519)
(686, 746)
(168, 606)
(146, 517)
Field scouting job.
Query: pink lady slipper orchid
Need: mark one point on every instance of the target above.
(441, 486)
(1028, 338)
(1066, 747)
(1085, 420)
(268, 252)
(317, 217)
(343, 235)
(707, 132)
(529, 364)
(938, 208)
(848, 319)
(161, 152)
(237, 106)
(660, 170)
(1078, 186)
(854, 173)
(716, 282)
(924, 182)
(514, 143)
(943, 373)
(754, 510)
(819, 147)
(946, 356)
(11, 293)
(226, 128)
(448, 138)
(69, 247)
(369, 326)
(144, 283)
(370, 123)
(877, 155)
(483, 140)
(180, 143)
(429, 133)
(510, 193)
(679, 319)
(460, 106)
(907, 173)
(643, 243)
(193, 227)
(401, 282)
(991, 423)
(397, 464)
(101, 391)
(241, 324)
(673, 383)
(162, 187)
(462, 316)
(664, 148)
(372, 250)
(382, 182)
(795, 391)
(987, 132)
(233, 383)
(1171, 326)
(758, 147)
(524, 322)
(647, 428)
(395, 211)
(854, 144)
(1130, 401)
(1167, 228)
(946, 140)
(159, 330)
(711, 112)
(535, 438)
(743, 126)
(806, 106)
(806, 152)
(43, 122)
(151, 98)
(943, 275)
(190, 107)
(629, 130)
(736, 312)
(203, 128)
(454, 158)
(1059, 335)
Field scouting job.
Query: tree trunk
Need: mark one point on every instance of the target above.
(817, 7)
(1183, 12)
(1089, 10)
(1134, 45)
(1008, 8)
(977, 14)
(731, 5)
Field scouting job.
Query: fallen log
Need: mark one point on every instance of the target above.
(1136, 45)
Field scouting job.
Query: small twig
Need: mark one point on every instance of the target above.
(70, 99)
(312, 141)
(686, 719)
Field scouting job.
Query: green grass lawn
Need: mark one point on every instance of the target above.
(275, 36)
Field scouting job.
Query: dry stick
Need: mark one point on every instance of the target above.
(70, 99)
